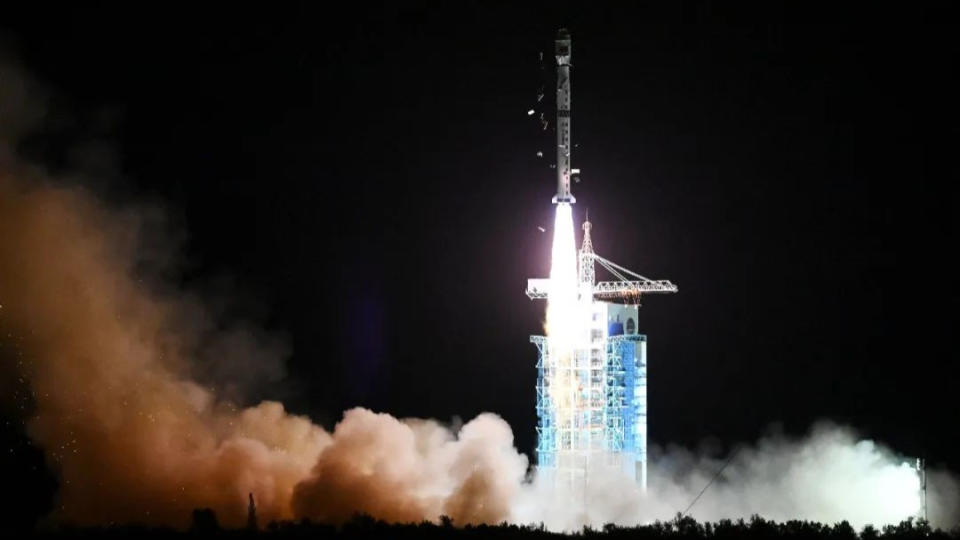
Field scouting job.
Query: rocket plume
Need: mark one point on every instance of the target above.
(110, 348)
(562, 324)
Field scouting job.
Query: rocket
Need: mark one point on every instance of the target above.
(564, 144)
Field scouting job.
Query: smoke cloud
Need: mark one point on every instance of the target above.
(135, 439)
(112, 352)
(830, 475)
(413, 470)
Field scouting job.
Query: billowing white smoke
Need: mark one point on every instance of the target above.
(828, 476)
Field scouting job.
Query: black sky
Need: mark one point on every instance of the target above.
(369, 180)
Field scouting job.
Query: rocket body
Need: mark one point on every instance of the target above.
(564, 144)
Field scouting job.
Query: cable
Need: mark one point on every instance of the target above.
(605, 262)
(702, 491)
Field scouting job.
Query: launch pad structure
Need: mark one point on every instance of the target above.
(592, 397)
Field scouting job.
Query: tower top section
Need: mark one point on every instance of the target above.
(587, 246)
(588, 275)
(627, 288)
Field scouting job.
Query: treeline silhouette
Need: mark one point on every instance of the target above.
(363, 527)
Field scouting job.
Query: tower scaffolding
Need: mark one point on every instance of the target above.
(591, 397)
(592, 402)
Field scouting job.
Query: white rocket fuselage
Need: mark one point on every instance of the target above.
(564, 145)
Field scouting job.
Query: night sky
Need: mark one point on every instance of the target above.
(366, 185)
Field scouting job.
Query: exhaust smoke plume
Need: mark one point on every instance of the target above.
(111, 353)
(135, 439)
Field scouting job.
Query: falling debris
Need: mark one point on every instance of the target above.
(539, 97)
(539, 154)
(530, 112)
(541, 229)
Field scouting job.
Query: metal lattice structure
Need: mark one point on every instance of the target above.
(592, 390)
(592, 404)
(613, 291)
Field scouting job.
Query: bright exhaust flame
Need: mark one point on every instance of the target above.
(562, 325)
(562, 297)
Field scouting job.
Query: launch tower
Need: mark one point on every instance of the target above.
(592, 398)
(592, 404)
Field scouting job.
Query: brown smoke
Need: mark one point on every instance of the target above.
(135, 439)
(405, 471)
(130, 435)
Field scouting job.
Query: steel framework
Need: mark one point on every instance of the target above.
(592, 404)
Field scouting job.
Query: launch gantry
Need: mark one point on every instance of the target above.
(624, 290)
(591, 397)
(592, 404)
